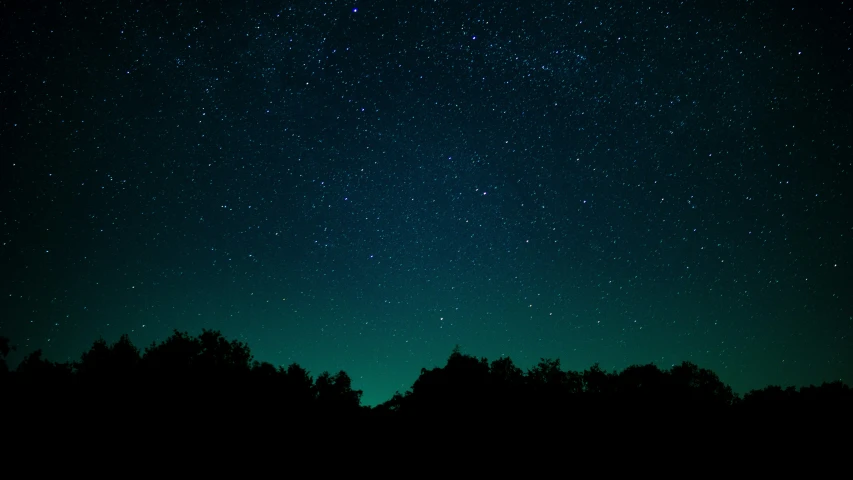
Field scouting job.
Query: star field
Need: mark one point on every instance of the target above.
(363, 185)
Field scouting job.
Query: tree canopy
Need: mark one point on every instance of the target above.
(208, 373)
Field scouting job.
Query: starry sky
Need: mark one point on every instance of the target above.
(363, 185)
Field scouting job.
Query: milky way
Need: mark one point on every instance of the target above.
(364, 185)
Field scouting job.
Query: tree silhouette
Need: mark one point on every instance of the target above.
(460, 386)
(5, 348)
(219, 382)
(504, 372)
(36, 370)
(699, 386)
(217, 355)
(109, 363)
(298, 386)
(335, 393)
(596, 380)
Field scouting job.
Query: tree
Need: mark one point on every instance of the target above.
(5, 348)
(700, 386)
(392, 405)
(212, 377)
(109, 361)
(217, 354)
(595, 380)
(503, 371)
(335, 393)
(174, 356)
(34, 368)
(547, 373)
(297, 391)
(124, 355)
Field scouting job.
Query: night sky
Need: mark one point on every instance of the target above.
(363, 185)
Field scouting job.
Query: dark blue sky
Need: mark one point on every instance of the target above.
(363, 185)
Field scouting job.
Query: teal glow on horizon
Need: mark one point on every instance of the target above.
(363, 190)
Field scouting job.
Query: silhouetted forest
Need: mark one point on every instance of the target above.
(209, 374)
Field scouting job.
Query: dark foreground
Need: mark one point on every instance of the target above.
(208, 380)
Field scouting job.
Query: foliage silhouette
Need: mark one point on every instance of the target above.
(5, 348)
(212, 376)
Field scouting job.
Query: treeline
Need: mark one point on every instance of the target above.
(210, 373)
